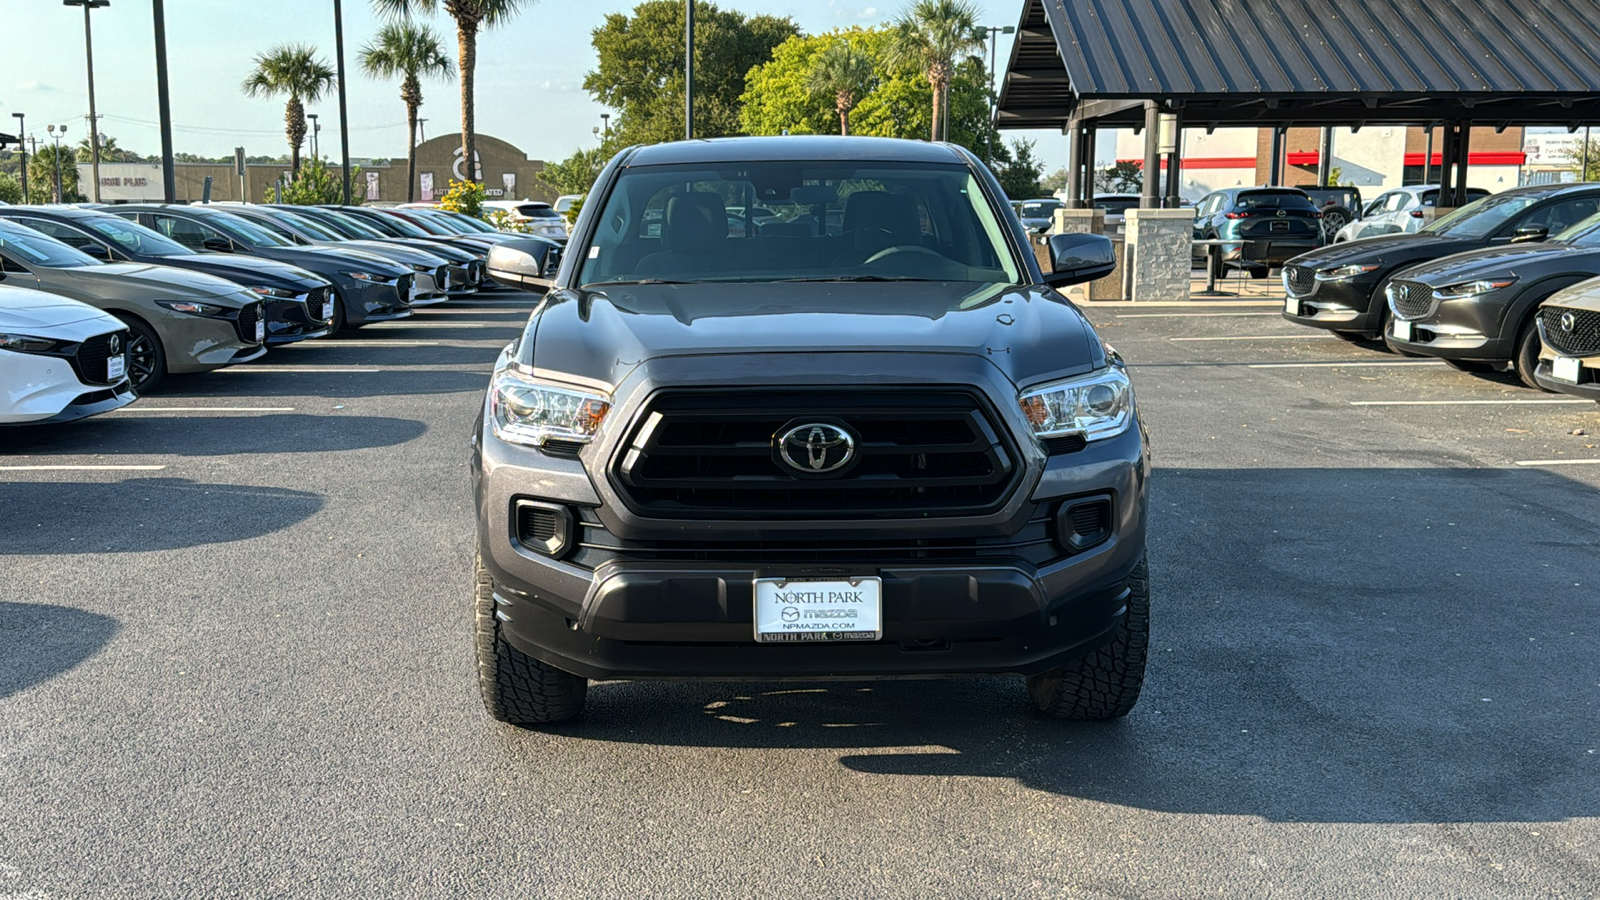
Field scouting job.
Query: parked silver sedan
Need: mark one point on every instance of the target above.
(1400, 211)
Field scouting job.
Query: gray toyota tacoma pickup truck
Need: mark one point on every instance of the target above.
(858, 435)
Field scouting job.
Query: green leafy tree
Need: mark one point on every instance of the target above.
(1577, 155)
(1019, 171)
(410, 52)
(778, 97)
(844, 73)
(577, 173)
(1055, 181)
(42, 175)
(109, 151)
(934, 35)
(317, 184)
(470, 16)
(10, 188)
(640, 71)
(291, 70)
(1126, 177)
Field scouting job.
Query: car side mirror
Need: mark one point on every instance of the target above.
(1076, 258)
(98, 251)
(528, 270)
(217, 245)
(1529, 234)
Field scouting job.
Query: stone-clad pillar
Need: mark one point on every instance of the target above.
(1156, 263)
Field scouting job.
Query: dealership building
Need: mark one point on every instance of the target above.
(506, 171)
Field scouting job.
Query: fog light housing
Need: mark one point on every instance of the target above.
(544, 528)
(1084, 523)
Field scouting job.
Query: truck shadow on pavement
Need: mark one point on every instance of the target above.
(39, 641)
(141, 514)
(196, 434)
(1329, 645)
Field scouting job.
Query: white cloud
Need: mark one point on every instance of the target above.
(38, 86)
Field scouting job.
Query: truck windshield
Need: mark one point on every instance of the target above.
(818, 221)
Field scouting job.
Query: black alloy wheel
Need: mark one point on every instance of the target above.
(1527, 358)
(147, 360)
(1333, 220)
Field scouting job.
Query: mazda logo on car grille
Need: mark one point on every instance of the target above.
(1568, 321)
(816, 448)
(114, 344)
(1282, 213)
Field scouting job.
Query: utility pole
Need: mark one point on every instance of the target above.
(344, 117)
(688, 70)
(169, 187)
(314, 128)
(994, 94)
(88, 53)
(422, 134)
(57, 132)
(22, 145)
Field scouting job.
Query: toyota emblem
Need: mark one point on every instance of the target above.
(815, 448)
(1568, 321)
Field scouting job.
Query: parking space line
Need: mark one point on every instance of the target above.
(1263, 337)
(142, 408)
(81, 468)
(1557, 462)
(258, 370)
(1346, 365)
(1211, 315)
(325, 343)
(410, 324)
(1464, 402)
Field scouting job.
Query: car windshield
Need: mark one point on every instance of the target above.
(1584, 234)
(1481, 218)
(39, 250)
(133, 237)
(346, 226)
(538, 211)
(469, 224)
(445, 222)
(878, 221)
(1273, 200)
(245, 231)
(391, 226)
(311, 228)
(421, 224)
(1116, 204)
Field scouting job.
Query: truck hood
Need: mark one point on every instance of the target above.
(1028, 332)
(110, 280)
(1506, 260)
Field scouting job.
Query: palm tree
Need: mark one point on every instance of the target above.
(109, 151)
(846, 73)
(469, 16)
(412, 52)
(291, 69)
(931, 35)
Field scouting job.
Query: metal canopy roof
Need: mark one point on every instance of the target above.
(1307, 62)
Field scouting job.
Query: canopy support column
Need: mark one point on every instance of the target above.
(1463, 162)
(1325, 158)
(1151, 195)
(1175, 161)
(1275, 170)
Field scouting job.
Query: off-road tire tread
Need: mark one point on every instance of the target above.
(1105, 684)
(516, 687)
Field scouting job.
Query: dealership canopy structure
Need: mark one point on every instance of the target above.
(1083, 64)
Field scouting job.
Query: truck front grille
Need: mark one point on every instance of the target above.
(1571, 332)
(711, 454)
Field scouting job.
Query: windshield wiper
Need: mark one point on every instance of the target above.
(604, 284)
(856, 278)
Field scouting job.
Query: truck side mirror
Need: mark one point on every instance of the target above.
(529, 270)
(1076, 258)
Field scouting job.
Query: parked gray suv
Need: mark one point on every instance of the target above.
(802, 450)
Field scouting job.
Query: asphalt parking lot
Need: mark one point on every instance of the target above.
(235, 659)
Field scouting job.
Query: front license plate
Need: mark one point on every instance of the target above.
(261, 330)
(794, 609)
(116, 368)
(412, 294)
(1402, 330)
(1291, 306)
(1564, 368)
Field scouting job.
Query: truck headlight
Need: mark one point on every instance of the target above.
(1474, 288)
(1099, 405)
(531, 412)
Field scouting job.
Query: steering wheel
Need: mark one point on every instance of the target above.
(903, 248)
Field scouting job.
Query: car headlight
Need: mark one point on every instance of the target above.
(531, 412)
(420, 268)
(1096, 406)
(1474, 288)
(23, 343)
(279, 293)
(1338, 273)
(189, 307)
(373, 277)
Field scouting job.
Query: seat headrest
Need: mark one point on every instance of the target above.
(879, 219)
(697, 221)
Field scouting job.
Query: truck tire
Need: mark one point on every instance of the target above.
(516, 687)
(1105, 684)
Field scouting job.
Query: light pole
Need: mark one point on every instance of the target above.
(993, 94)
(688, 70)
(88, 53)
(22, 146)
(314, 129)
(344, 117)
(605, 122)
(422, 134)
(57, 132)
(169, 187)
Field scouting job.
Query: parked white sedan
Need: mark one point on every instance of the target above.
(59, 359)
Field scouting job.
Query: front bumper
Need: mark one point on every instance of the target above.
(1587, 386)
(200, 344)
(1343, 305)
(365, 302)
(289, 321)
(650, 614)
(40, 390)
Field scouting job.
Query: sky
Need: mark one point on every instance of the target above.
(529, 74)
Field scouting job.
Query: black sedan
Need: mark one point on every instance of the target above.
(298, 303)
(1341, 287)
(466, 265)
(1477, 311)
(368, 288)
(395, 226)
